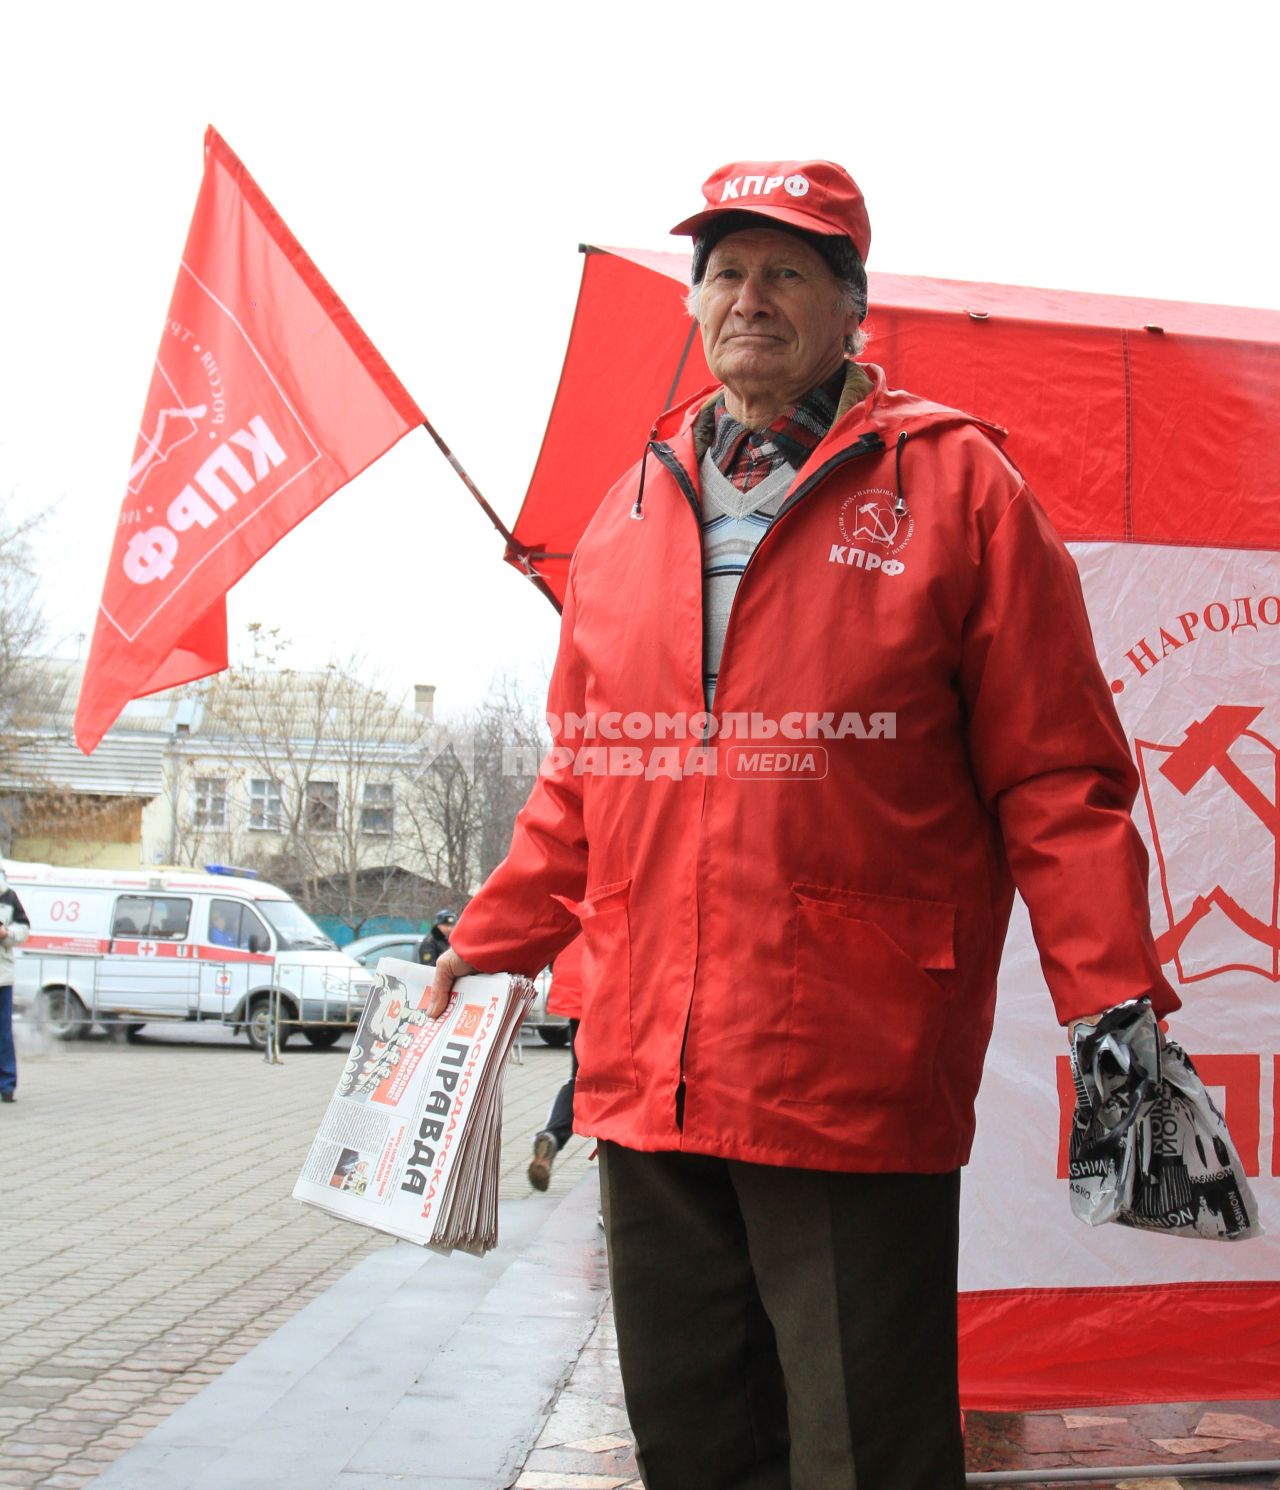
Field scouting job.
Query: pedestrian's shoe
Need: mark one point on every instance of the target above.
(544, 1156)
(12, 1097)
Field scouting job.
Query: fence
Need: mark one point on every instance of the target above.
(69, 992)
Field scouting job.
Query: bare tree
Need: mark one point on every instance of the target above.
(511, 738)
(309, 765)
(440, 806)
(320, 783)
(21, 637)
(461, 797)
(21, 620)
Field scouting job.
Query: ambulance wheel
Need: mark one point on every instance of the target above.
(63, 1015)
(323, 1038)
(258, 1024)
(132, 1031)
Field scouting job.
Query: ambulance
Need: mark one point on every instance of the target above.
(136, 946)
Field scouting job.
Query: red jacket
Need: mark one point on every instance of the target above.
(802, 971)
(565, 994)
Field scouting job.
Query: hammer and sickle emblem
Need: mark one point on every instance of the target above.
(1207, 747)
(877, 522)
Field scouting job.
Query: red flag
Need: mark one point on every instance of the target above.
(266, 398)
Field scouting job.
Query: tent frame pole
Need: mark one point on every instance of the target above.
(1077, 1475)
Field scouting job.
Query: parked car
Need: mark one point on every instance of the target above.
(553, 1029)
(368, 949)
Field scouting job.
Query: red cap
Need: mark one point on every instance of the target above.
(811, 194)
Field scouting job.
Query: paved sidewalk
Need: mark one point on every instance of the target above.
(586, 1442)
(148, 1235)
(414, 1372)
(159, 1281)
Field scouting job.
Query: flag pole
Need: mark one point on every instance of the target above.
(514, 550)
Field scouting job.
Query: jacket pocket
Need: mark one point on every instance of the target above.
(606, 1056)
(866, 1016)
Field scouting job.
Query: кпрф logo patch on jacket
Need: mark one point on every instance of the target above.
(874, 531)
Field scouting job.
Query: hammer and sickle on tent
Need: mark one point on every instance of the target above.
(1207, 747)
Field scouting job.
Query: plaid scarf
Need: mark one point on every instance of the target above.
(747, 456)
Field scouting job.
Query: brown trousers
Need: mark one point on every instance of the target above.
(783, 1329)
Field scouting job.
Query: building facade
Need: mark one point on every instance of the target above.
(312, 779)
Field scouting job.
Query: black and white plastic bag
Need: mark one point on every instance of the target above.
(1148, 1146)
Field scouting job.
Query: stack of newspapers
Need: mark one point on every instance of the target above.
(410, 1142)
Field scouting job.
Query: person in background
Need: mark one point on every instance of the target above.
(218, 932)
(14, 930)
(436, 942)
(563, 997)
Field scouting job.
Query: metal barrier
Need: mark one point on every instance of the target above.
(288, 993)
(298, 992)
(93, 989)
(68, 992)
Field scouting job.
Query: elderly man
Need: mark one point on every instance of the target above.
(791, 953)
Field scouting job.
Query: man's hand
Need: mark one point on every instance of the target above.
(449, 969)
(1089, 1019)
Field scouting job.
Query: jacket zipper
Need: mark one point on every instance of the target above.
(867, 444)
(668, 458)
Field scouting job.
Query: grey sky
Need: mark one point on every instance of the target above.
(441, 164)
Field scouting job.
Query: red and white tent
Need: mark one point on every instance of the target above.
(1150, 431)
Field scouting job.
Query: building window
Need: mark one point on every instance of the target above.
(266, 805)
(377, 811)
(211, 802)
(322, 806)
